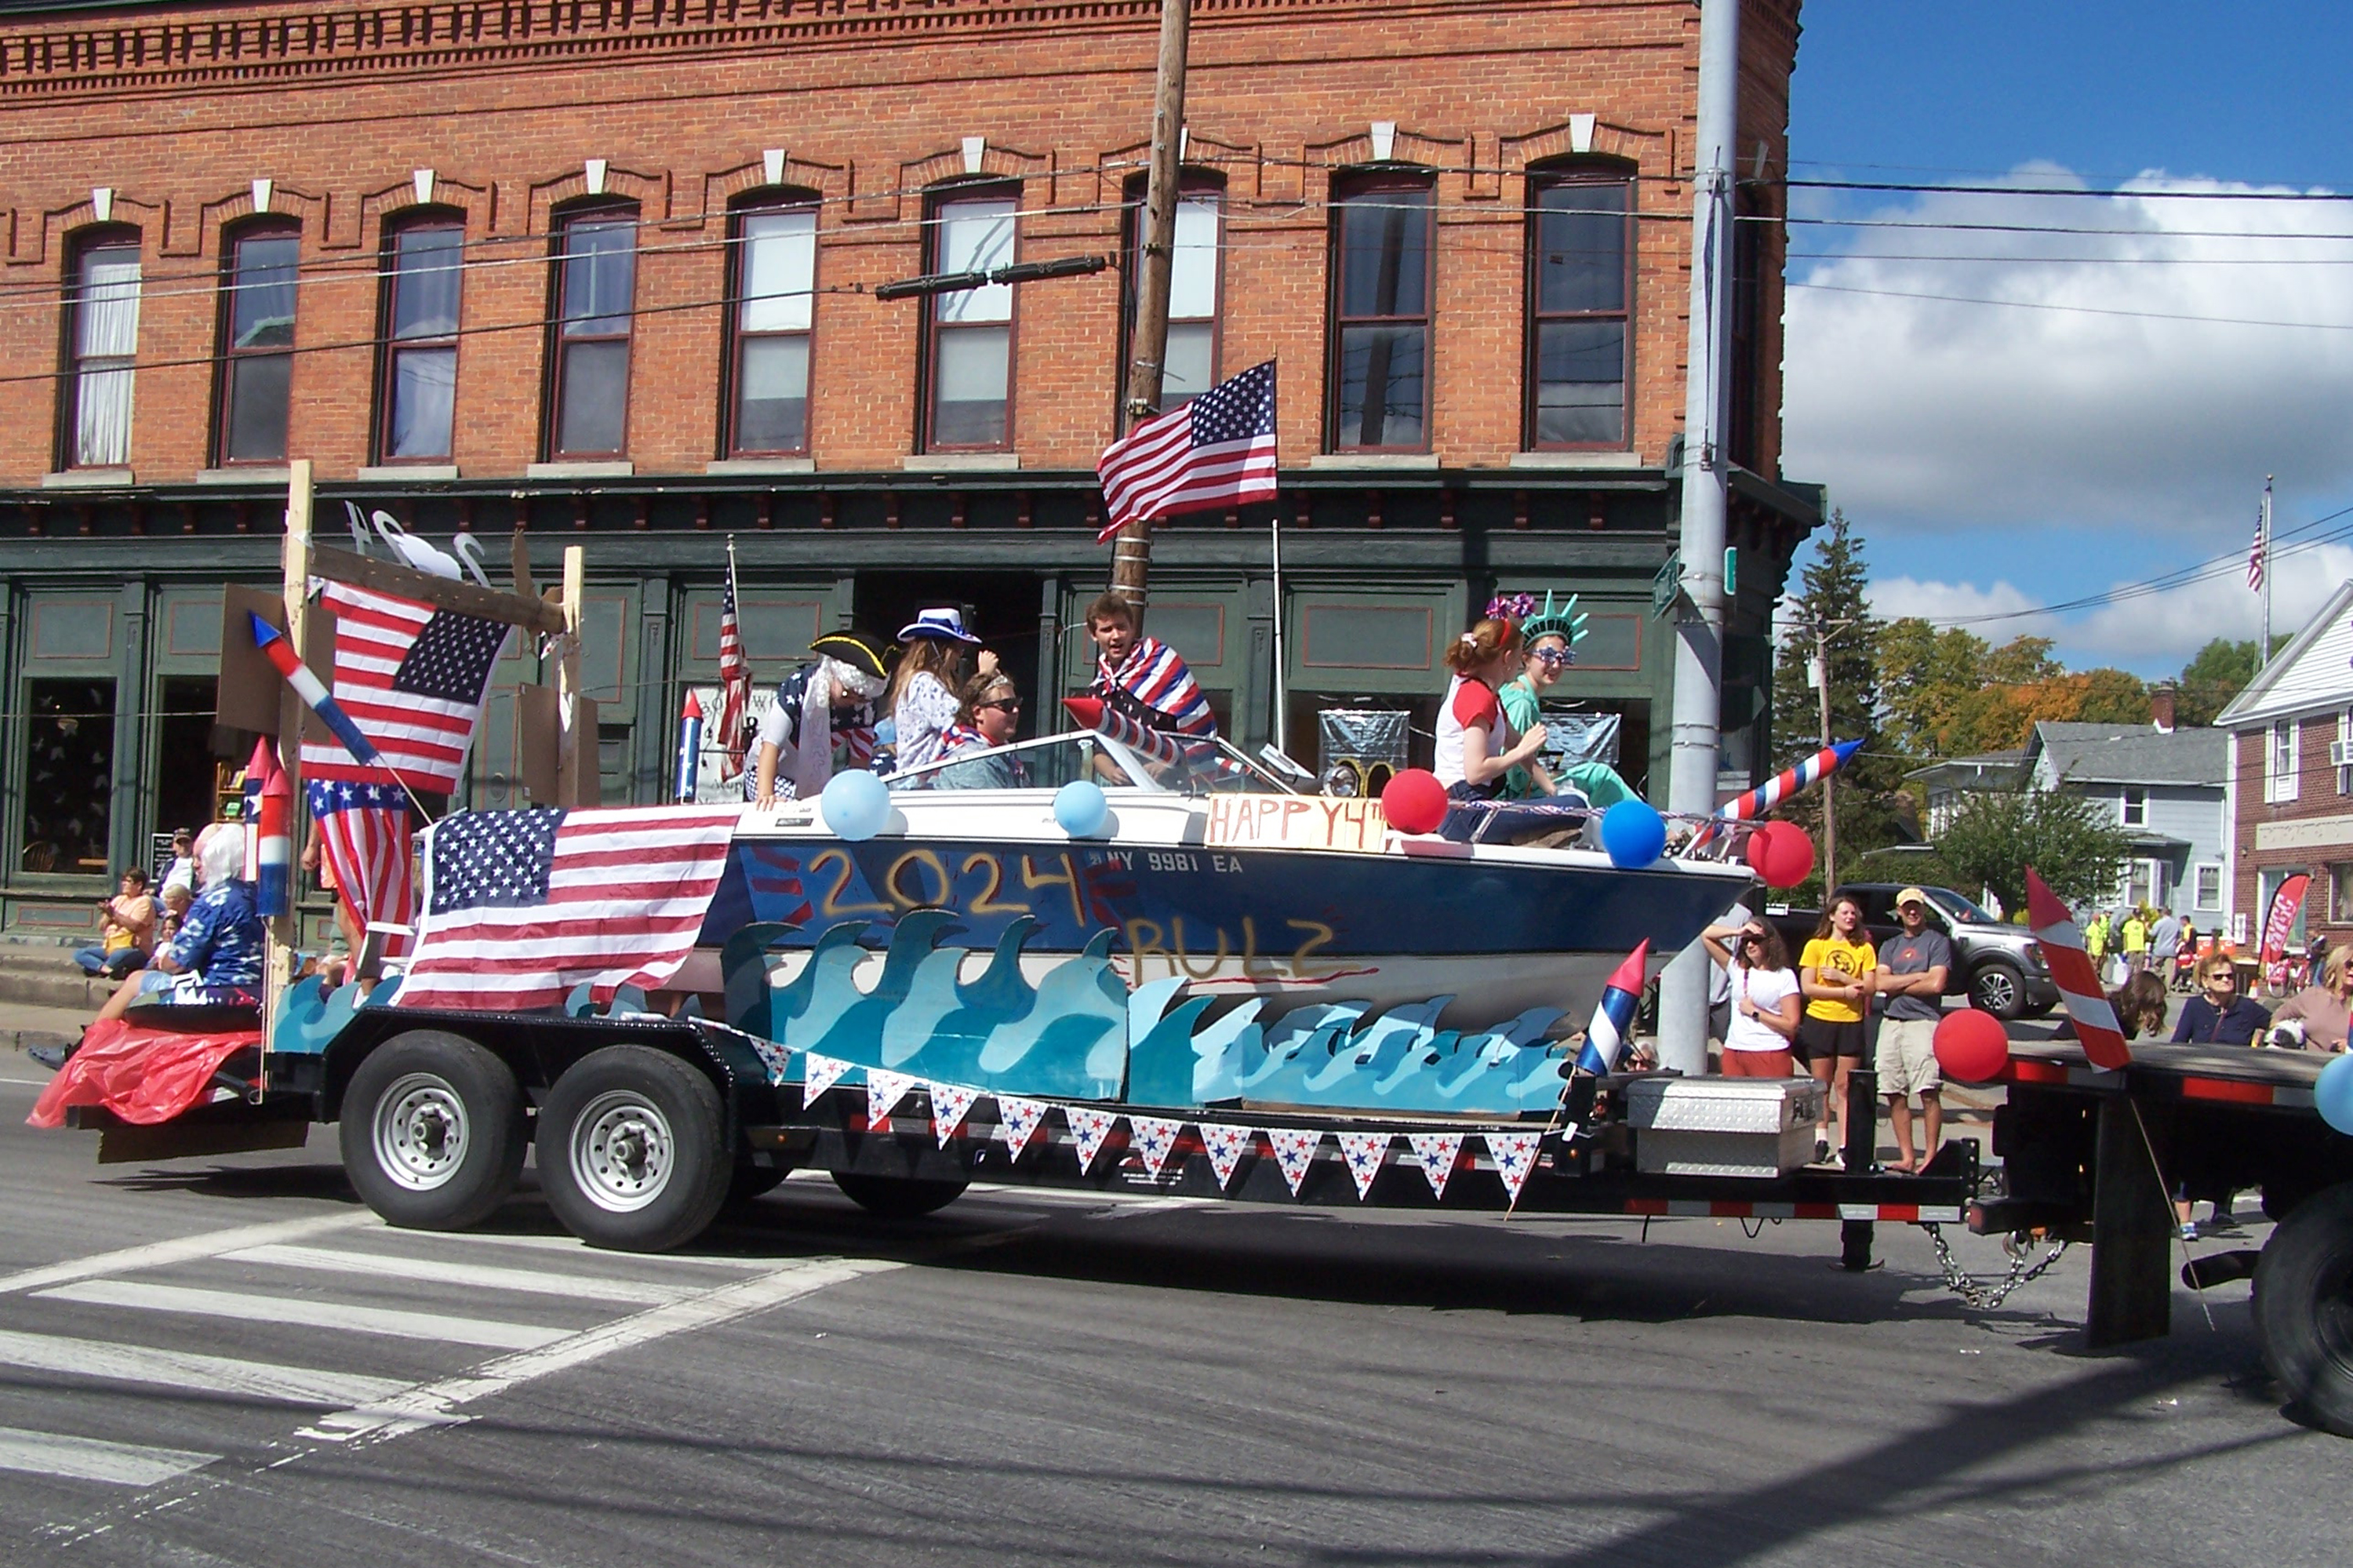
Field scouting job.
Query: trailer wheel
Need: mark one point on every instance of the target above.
(749, 1180)
(2304, 1307)
(898, 1197)
(632, 1150)
(432, 1131)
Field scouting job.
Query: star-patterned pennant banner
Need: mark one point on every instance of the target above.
(1155, 1139)
(1363, 1152)
(883, 1093)
(1515, 1156)
(1226, 1145)
(951, 1103)
(1295, 1150)
(776, 1058)
(1090, 1128)
(1439, 1152)
(1018, 1122)
(819, 1073)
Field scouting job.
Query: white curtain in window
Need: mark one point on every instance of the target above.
(779, 269)
(976, 237)
(107, 334)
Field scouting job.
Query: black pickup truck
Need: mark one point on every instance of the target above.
(1998, 967)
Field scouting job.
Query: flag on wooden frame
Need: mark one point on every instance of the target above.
(1216, 451)
(411, 678)
(364, 833)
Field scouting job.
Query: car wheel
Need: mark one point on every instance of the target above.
(2001, 989)
(432, 1131)
(632, 1150)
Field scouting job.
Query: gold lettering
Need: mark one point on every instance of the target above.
(1142, 946)
(986, 902)
(1069, 879)
(922, 857)
(1318, 935)
(831, 906)
(1211, 968)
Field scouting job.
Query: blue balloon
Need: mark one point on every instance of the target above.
(1080, 807)
(2334, 1095)
(855, 805)
(1633, 833)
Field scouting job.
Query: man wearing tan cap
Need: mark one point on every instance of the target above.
(1912, 965)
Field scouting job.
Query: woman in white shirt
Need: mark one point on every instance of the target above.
(921, 699)
(1765, 1002)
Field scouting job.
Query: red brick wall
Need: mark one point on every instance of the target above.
(2316, 797)
(177, 109)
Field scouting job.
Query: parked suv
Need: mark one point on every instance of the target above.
(1998, 967)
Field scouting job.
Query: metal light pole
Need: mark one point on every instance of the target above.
(1696, 742)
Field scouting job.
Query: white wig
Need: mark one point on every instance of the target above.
(220, 853)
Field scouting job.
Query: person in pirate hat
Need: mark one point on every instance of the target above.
(1549, 634)
(822, 718)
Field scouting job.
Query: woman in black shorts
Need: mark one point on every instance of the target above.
(1836, 972)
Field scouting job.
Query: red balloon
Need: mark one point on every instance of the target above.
(1414, 801)
(1782, 853)
(1972, 1048)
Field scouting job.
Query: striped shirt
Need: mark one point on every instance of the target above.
(1153, 686)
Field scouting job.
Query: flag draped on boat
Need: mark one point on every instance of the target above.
(411, 679)
(1216, 451)
(521, 907)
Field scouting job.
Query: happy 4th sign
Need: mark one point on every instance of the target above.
(1296, 822)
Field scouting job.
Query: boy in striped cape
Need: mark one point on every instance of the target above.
(1142, 676)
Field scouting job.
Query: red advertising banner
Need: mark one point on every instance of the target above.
(2282, 917)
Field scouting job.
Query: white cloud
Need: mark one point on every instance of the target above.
(1891, 599)
(1923, 413)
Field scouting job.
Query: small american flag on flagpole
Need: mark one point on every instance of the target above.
(1216, 451)
(2255, 556)
(521, 907)
(735, 675)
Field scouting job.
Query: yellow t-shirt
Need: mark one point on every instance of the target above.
(1831, 956)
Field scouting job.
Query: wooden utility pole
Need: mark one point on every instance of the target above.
(1131, 562)
(1830, 780)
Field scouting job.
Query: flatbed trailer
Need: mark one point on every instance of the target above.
(645, 1126)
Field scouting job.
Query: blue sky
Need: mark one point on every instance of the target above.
(2002, 458)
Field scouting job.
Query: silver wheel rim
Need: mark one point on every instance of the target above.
(1998, 992)
(421, 1132)
(622, 1151)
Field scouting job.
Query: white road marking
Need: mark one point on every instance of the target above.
(433, 1271)
(440, 1404)
(28, 1082)
(88, 1459)
(183, 1249)
(574, 1246)
(295, 1312)
(187, 1370)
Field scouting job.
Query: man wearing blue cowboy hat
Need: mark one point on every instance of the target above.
(921, 699)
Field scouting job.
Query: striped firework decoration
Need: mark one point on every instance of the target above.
(411, 678)
(2071, 969)
(364, 833)
(1613, 1018)
(1790, 781)
(1155, 746)
(521, 907)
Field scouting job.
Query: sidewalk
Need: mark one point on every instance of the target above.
(22, 1025)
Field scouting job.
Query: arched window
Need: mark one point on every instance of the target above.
(595, 297)
(1382, 236)
(424, 283)
(968, 339)
(1196, 279)
(1580, 294)
(773, 283)
(254, 382)
(102, 336)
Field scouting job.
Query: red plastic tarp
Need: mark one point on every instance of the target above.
(141, 1075)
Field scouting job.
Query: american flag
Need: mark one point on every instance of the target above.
(521, 907)
(2255, 556)
(363, 836)
(734, 675)
(1216, 451)
(412, 678)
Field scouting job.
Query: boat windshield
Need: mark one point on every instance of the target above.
(1172, 767)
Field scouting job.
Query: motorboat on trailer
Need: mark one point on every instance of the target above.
(1208, 880)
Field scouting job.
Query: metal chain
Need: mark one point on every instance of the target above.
(1984, 1297)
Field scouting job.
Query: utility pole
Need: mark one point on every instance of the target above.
(1697, 738)
(1819, 670)
(1131, 562)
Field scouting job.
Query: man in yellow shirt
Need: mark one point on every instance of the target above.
(2134, 939)
(1836, 972)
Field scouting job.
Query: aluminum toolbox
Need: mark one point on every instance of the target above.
(1723, 1127)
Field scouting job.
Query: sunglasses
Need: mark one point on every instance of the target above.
(1011, 705)
(1554, 657)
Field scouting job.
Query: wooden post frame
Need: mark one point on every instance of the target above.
(282, 936)
(573, 713)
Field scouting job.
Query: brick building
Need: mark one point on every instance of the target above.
(607, 270)
(2291, 784)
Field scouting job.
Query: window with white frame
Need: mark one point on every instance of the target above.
(2280, 763)
(2207, 887)
(2133, 806)
(2341, 892)
(2345, 750)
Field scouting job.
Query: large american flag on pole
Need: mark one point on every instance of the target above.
(1216, 451)
(412, 678)
(734, 675)
(521, 907)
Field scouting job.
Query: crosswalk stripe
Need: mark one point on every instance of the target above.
(579, 1248)
(434, 1271)
(187, 1369)
(183, 1249)
(88, 1459)
(297, 1312)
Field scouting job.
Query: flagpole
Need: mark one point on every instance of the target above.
(1281, 696)
(2263, 650)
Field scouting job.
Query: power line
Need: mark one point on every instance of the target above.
(2067, 309)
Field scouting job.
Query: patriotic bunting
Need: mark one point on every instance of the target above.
(951, 1103)
(821, 1073)
(1295, 1150)
(883, 1093)
(1018, 1122)
(1090, 1127)
(1155, 1139)
(1516, 1155)
(1226, 1146)
(1439, 1152)
(775, 1057)
(1364, 1152)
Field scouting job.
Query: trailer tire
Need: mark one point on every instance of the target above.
(750, 1181)
(2304, 1307)
(432, 1131)
(632, 1150)
(898, 1197)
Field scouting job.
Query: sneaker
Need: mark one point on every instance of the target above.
(2190, 1230)
(1821, 1151)
(50, 1056)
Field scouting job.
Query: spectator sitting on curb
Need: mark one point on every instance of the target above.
(126, 930)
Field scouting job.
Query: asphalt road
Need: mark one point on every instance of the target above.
(229, 1361)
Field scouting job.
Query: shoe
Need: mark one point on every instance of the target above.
(1821, 1151)
(50, 1056)
(2190, 1230)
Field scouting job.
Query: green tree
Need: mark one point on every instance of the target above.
(1993, 837)
(2219, 671)
(1926, 679)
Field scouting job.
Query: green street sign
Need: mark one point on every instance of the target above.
(1667, 586)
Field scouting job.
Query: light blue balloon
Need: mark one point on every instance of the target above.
(1080, 807)
(1633, 833)
(2334, 1095)
(855, 805)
